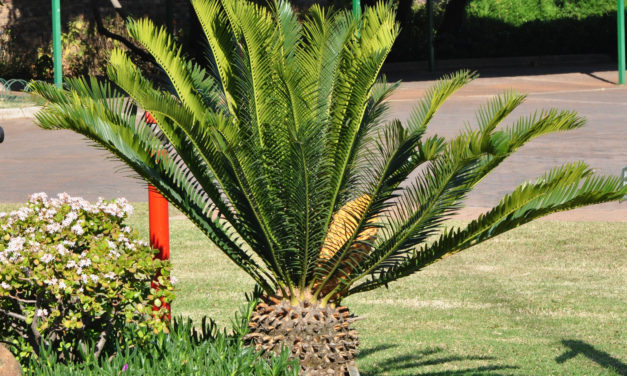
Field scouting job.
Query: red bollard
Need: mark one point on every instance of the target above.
(159, 233)
(158, 223)
(158, 220)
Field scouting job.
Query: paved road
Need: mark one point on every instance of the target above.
(33, 160)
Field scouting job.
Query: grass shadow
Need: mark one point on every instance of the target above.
(605, 360)
(428, 357)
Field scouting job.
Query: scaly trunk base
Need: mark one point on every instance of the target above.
(321, 338)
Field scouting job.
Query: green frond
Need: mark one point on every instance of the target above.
(500, 144)
(281, 150)
(168, 55)
(434, 97)
(564, 188)
(136, 145)
(220, 36)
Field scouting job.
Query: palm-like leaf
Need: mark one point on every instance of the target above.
(279, 150)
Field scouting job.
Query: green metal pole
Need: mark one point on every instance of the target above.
(620, 18)
(56, 42)
(357, 9)
(431, 50)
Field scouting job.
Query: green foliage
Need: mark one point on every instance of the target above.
(497, 28)
(84, 49)
(513, 27)
(186, 350)
(291, 126)
(72, 274)
(518, 12)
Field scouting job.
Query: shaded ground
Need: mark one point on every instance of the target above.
(33, 160)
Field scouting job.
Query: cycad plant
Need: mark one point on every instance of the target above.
(280, 150)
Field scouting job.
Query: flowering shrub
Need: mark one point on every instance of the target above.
(72, 273)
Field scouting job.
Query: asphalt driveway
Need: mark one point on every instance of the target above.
(34, 160)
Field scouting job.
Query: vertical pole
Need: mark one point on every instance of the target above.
(158, 222)
(56, 42)
(430, 26)
(159, 232)
(357, 9)
(620, 21)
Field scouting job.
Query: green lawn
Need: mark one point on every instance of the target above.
(549, 298)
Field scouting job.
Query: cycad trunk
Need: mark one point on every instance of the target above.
(320, 337)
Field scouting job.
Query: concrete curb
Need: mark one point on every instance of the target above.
(17, 113)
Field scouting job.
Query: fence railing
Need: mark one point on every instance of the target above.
(15, 93)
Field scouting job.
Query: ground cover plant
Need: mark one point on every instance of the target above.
(73, 275)
(284, 159)
(186, 350)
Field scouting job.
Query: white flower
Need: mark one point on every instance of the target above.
(61, 249)
(3, 214)
(5, 286)
(78, 229)
(84, 278)
(41, 196)
(173, 280)
(94, 278)
(79, 203)
(127, 209)
(112, 209)
(42, 312)
(35, 247)
(112, 245)
(21, 213)
(69, 218)
(110, 275)
(64, 197)
(79, 271)
(84, 263)
(16, 244)
(46, 258)
(62, 285)
(53, 227)
(71, 264)
(47, 213)
(51, 282)
(80, 290)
